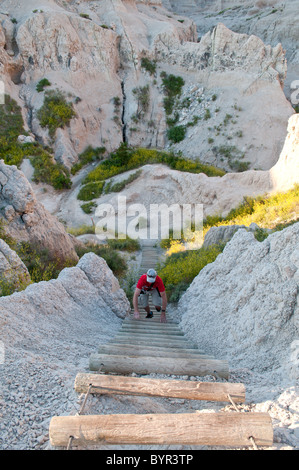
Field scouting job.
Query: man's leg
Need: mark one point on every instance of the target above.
(157, 301)
(143, 302)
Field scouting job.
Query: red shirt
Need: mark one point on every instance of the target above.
(143, 284)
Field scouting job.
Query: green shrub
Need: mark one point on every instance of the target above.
(89, 155)
(176, 134)
(126, 158)
(207, 114)
(11, 120)
(88, 207)
(82, 230)
(149, 65)
(12, 152)
(274, 212)
(127, 244)
(143, 100)
(42, 84)
(55, 112)
(46, 170)
(172, 86)
(91, 191)
(114, 260)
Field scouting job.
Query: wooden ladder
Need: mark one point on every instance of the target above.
(147, 346)
(228, 429)
(143, 347)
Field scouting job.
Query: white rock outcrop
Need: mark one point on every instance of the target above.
(13, 271)
(86, 296)
(244, 305)
(48, 332)
(92, 51)
(25, 219)
(159, 184)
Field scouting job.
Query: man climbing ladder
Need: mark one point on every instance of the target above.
(150, 282)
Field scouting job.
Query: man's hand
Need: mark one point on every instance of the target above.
(136, 315)
(163, 318)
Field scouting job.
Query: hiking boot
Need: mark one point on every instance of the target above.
(149, 315)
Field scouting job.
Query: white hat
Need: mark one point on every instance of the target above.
(151, 275)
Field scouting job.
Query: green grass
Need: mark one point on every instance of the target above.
(111, 255)
(40, 264)
(274, 212)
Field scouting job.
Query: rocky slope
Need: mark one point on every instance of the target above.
(159, 184)
(232, 99)
(46, 330)
(93, 52)
(24, 218)
(258, 327)
(273, 21)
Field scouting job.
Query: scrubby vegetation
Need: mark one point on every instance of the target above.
(110, 253)
(89, 155)
(268, 211)
(13, 152)
(56, 112)
(112, 187)
(172, 86)
(126, 158)
(177, 133)
(149, 65)
(91, 191)
(42, 84)
(142, 95)
(180, 269)
(273, 212)
(41, 266)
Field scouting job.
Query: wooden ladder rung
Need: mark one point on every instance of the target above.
(211, 429)
(191, 390)
(148, 365)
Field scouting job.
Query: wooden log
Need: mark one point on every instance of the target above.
(152, 329)
(131, 350)
(149, 332)
(109, 384)
(160, 365)
(209, 429)
(152, 321)
(155, 342)
(149, 336)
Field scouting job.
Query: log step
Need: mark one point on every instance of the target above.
(146, 365)
(151, 351)
(110, 384)
(210, 429)
(156, 342)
